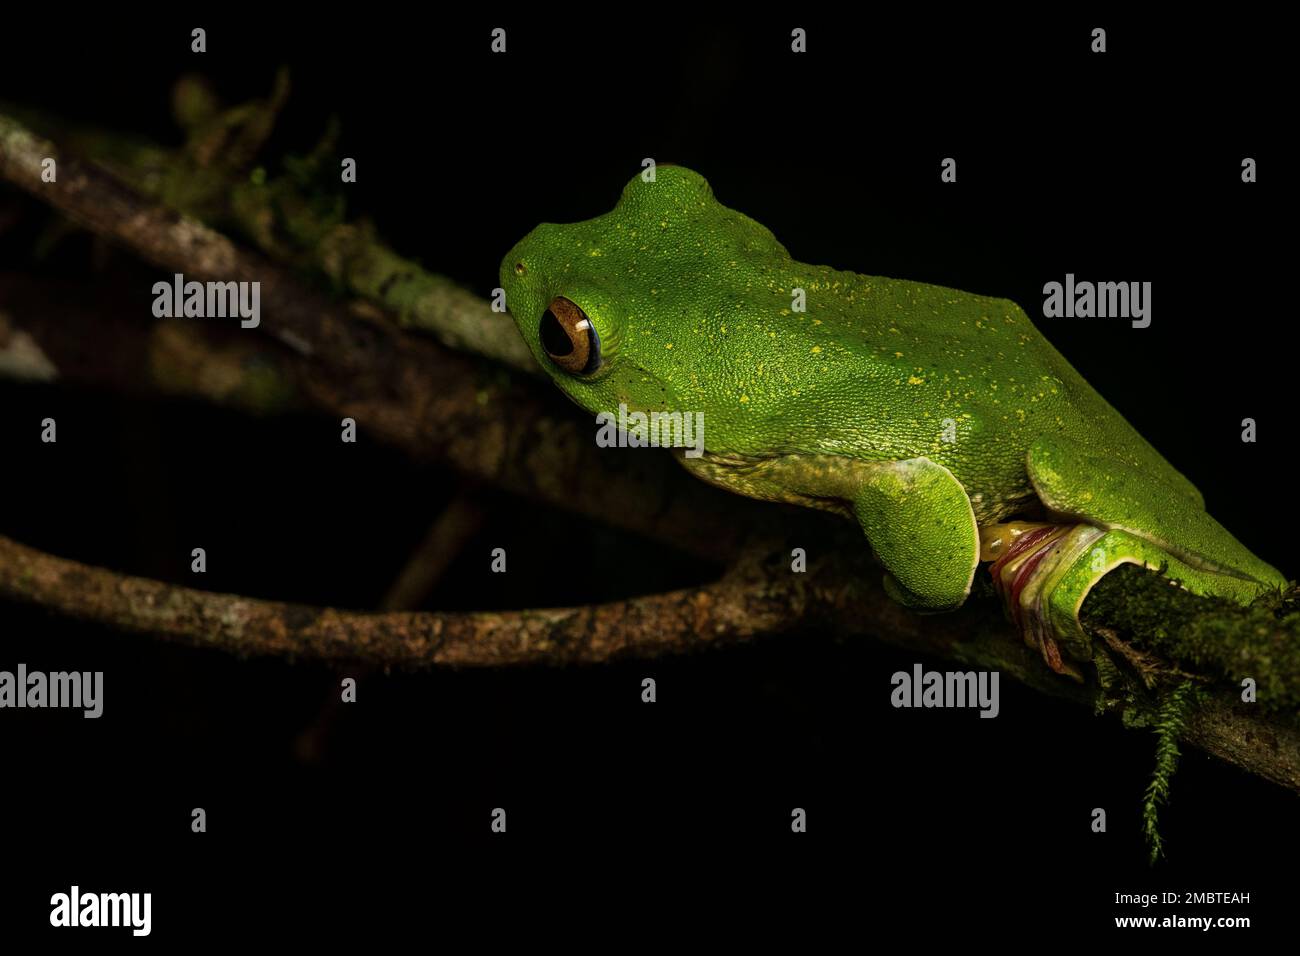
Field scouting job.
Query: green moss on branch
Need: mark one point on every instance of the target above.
(1216, 639)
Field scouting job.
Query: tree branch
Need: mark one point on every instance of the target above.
(490, 426)
(759, 596)
(405, 390)
(209, 179)
(734, 608)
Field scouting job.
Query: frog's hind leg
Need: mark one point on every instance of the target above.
(1044, 572)
(1105, 551)
(1109, 512)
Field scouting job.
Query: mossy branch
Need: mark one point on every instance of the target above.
(1168, 631)
(295, 214)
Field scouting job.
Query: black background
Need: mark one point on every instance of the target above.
(1124, 166)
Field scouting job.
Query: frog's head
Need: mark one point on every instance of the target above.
(625, 308)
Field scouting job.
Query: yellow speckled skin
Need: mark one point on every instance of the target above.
(692, 303)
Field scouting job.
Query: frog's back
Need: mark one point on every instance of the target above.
(891, 369)
(709, 316)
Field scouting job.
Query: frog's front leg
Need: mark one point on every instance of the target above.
(920, 523)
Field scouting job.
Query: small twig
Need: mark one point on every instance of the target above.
(454, 526)
(459, 521)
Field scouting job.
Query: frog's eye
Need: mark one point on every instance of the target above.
(569, 339)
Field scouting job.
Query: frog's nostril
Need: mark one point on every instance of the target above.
(554, 339)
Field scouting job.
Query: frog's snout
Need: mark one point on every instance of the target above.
(521, 261)
(514, 275)
(513, 268)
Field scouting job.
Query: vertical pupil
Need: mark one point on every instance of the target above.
(554, 339)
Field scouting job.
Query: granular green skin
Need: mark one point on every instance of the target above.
(695, 307)
(1214, 637)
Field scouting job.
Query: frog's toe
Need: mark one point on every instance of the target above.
(1030, 562)
(1051, 651)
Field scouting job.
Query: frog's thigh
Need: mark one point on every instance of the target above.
(919, 520)
(1064, 592)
